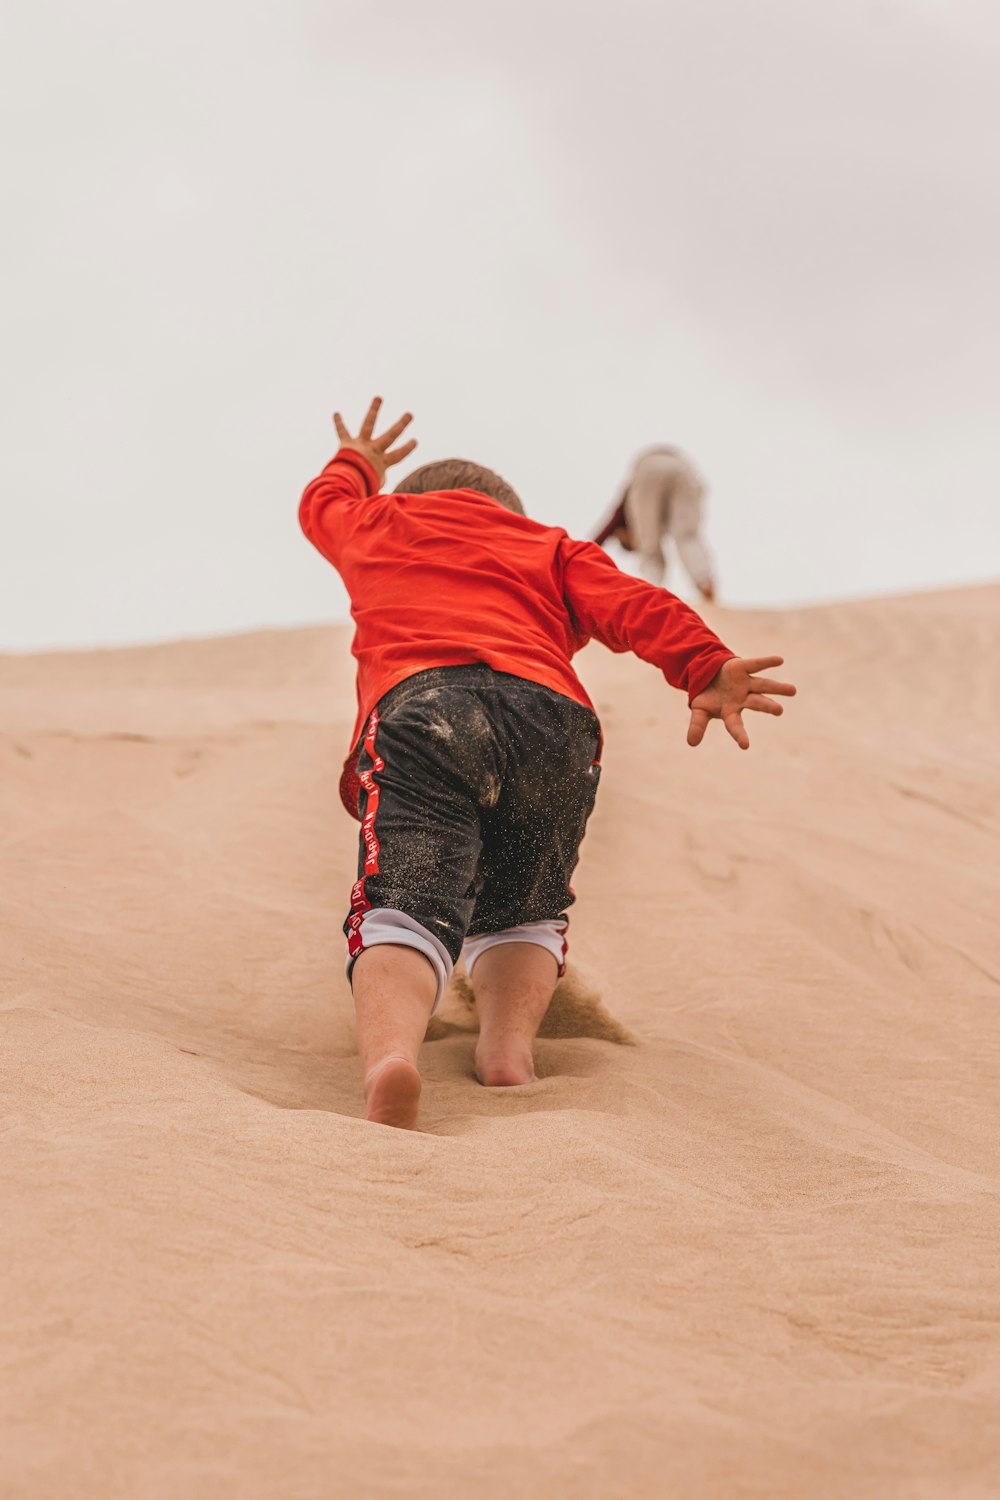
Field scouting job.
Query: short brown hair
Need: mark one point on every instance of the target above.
(460, 474)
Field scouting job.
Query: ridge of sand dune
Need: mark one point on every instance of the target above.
(753, 1254)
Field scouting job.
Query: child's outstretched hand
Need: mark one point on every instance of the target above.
(376, 450)
(735, 687)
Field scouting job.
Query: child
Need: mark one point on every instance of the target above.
(476, 754)
(664, 497)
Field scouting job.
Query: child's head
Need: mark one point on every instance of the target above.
(459, 474)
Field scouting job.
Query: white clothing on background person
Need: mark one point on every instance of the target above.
(665, 498)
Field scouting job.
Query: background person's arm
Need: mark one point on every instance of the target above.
(613, 525)
(685, 528)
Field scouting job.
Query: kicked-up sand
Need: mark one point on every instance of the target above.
(742, 1238)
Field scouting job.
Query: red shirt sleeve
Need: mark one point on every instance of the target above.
(626, 614)
(322, 511)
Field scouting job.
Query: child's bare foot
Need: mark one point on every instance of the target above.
(392, 1093)
(498, 1070)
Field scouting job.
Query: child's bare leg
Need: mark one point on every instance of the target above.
(513, 983)
(394, 989)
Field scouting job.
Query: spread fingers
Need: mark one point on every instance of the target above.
(763, 705)
(368, 425)
(769, 685)
(392, 433)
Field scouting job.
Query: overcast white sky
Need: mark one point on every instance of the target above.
(556, 232)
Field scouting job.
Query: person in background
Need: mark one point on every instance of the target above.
(664, 497)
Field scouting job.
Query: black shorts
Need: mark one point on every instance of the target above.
(476, 787)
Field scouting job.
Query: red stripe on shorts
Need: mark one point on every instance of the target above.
(359, 900)
(561, 971)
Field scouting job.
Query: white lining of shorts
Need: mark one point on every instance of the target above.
(548, 935)
(383, 924)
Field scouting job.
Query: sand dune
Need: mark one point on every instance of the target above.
(754, 1253)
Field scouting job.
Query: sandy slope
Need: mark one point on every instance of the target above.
(753, 1255)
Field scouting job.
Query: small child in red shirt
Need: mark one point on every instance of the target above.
(476, 754)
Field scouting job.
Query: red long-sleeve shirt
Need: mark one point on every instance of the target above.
(452, 577)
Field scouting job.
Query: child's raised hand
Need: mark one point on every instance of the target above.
(376, 450)
(733, 688)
